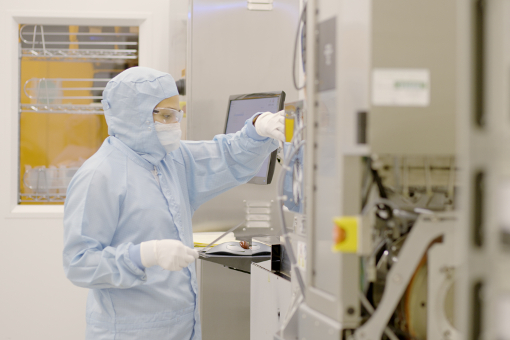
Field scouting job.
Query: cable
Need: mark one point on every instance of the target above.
(297, 181)
(368, 182)
(301, 19)
(280, 198)
(297, 171)
(384, 211)
(291, 153)
(378, 181)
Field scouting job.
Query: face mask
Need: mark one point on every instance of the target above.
(169, 135)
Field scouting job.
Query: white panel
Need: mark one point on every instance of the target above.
(503, 205)
(342, 94)
(235, 51)
(224, 302)
(37, 299)
(503, 313)
(269, 303)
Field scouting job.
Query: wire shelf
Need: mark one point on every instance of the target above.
(46, 184)
(109, 52)
(98, 46)
(47, 94)
(42, 198)
(55, 53)
(92, 109)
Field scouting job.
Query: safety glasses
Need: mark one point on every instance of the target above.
(167, 115)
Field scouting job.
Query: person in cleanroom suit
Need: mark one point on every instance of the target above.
(127, 216)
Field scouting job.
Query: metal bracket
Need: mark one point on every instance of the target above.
(314, 325)
(427, 230)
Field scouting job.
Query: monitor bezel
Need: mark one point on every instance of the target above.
(281, 105)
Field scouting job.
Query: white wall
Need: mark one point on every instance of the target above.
(178, 37)
(36, 300)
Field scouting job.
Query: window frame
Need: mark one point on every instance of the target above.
(149, 54)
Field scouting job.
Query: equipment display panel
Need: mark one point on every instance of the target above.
(242, 107)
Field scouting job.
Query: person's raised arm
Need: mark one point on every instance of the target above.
(212, 167)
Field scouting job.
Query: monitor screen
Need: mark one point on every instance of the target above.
(242, 107)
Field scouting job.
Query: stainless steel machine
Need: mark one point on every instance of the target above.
(389, 270)
(402, 175)
(418, 212)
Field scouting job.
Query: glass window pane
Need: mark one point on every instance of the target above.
(64, 70)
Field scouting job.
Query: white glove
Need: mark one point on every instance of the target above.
(168, 254)
(271, 125)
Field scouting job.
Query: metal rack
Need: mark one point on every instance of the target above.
(40, 40)
(94, 109)
(82, 96)
(42, 198)
(47, 184)
(47, 98)
(78, 54)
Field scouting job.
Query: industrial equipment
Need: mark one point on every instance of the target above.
(397, 164)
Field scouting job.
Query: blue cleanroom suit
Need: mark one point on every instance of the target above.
(131, 191)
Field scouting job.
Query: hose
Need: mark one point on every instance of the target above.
(280, 197)
(301, 19)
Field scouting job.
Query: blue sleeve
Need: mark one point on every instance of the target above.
(216, 166)
(250, 129)
(135, 256)
(91, 214)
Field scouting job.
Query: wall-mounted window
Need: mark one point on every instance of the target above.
(63, 72)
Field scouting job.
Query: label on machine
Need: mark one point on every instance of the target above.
(400, 87)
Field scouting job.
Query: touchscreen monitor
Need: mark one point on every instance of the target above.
(242, 107)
